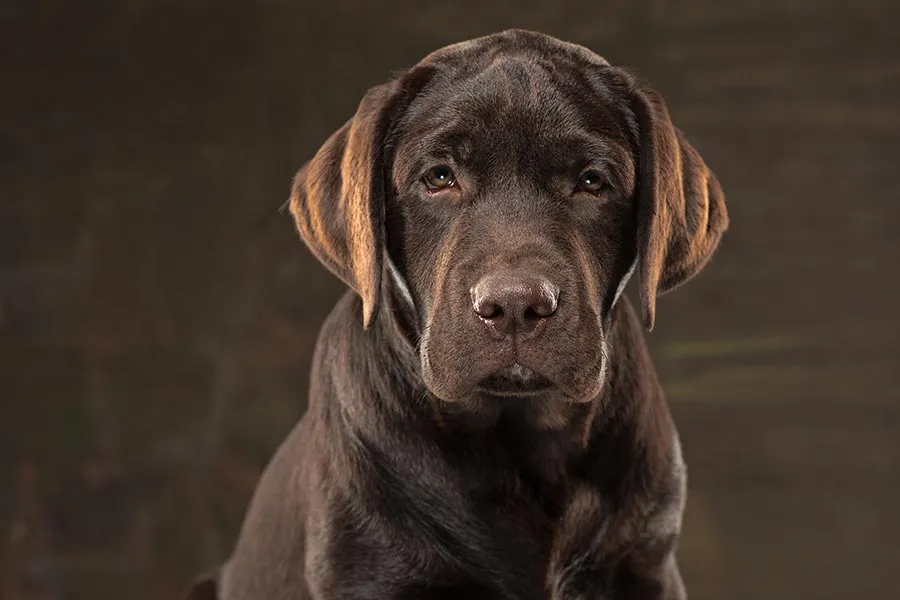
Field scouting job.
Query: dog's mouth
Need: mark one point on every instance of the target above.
(515, 380)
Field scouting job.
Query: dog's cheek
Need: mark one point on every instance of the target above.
(605, 251)
(582, 368)
(449, 339)
(441, 362)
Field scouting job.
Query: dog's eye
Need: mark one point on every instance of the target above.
(591, 182)
(439, 178)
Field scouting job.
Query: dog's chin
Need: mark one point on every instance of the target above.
(515, 381)
(515, 391)
(511, 382)
(469, 391)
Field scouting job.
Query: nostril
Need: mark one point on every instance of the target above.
(485, 302)
(488, 310)
(547, 301)
(540, 310)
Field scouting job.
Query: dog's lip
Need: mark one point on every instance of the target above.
(515, 380)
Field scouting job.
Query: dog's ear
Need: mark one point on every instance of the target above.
(337, 198)
(681, 207)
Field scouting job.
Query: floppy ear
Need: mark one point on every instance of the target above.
(337, 199)
(681, 207)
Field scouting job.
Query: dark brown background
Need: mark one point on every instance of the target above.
(157, 311)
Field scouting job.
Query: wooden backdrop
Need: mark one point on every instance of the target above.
(157, 311)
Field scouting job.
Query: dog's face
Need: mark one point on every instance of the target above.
(512, 218)
(507, 187)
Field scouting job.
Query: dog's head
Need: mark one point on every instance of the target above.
(507, 187)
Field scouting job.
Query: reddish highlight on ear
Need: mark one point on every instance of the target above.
(338, 198)
(681, 211)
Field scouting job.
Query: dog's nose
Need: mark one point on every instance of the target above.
(514, 304)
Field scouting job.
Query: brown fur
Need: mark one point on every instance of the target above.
(412, 475)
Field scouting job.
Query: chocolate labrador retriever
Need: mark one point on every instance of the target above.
(484, 420)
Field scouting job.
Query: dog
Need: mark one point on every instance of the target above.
(484, 420)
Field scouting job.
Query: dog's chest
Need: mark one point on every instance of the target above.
(514, 490)
(516, 482)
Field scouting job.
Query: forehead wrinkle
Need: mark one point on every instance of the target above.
(608, 153)
(517, 75)
(595, 91)
(454, 141)
(504, 121)
(525, 136)
(416, 149)
(610, 108)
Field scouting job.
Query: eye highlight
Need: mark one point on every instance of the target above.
(591, 182)
(439, 178)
